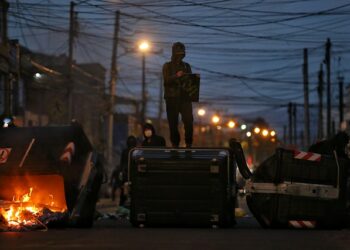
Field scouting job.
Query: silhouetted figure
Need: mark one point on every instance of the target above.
(177, 101)
(131, 142)
(115, 181)
(339, 143)
(151, 139)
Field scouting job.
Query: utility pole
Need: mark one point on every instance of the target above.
(5, 46)
(341, 99)
(112, 90)
(294, 119)
(290, 131)
(341, 95)
(306, 99)
(160, 107)
(320, 103)
(328, 64)
(70, 60)
(144, 48)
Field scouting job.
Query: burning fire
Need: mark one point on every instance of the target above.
(22, 211)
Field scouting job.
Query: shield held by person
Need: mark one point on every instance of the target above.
(190, 85)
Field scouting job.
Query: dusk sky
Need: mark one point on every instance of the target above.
(249, 53)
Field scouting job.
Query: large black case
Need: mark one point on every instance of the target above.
(287, 191)
(182, 187)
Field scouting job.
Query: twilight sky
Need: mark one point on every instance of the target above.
(249, 52)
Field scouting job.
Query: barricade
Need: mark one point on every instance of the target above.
(300, 190)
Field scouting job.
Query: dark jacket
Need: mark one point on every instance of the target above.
(172, 83)
(153, 141)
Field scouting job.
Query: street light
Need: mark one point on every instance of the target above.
(201, 112)
(272, 133)
(249, 134)
(256, 130)
(243, 127)
(37, 75)
(215, 119)
(265, 132)
(143, 47)
(231, 124)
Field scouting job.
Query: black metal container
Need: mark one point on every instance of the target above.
(182, 187)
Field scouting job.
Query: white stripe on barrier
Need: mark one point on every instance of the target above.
(315, 157)
(309, 156)
(68, 153)
(300, 155)
(294, 224)
(302, 224)
(309, 224)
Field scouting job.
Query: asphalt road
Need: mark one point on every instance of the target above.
(111, 233)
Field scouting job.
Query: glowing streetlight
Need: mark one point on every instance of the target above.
(249, 134)
(256, 130)
(243, 127)
(265, 132)
(272, 133)
(143, 46)
(201, 112)
(231, 124)
(37, 75)
(215, 119)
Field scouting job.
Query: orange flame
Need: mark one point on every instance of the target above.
(22, 211)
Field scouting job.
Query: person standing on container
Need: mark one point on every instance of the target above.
(177, 102)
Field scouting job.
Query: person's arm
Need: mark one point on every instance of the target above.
(188, 68)
(168, 78)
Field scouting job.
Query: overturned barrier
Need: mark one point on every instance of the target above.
(48, 176)
(300, 190)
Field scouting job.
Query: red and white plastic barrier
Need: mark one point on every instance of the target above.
(309, 156)
(68, 153)
(302, 224)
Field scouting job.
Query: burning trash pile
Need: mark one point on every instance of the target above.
(49, 177)
(22, 213)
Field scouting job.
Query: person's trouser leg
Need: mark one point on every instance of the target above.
(172, 111)
(187, 119)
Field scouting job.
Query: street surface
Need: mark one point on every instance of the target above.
(112, 233)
